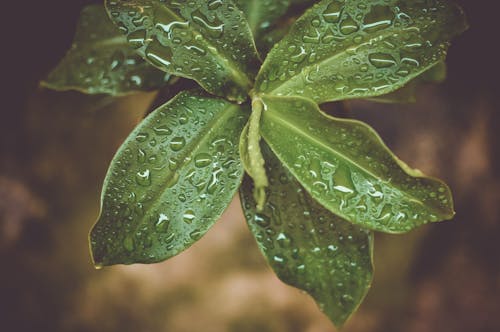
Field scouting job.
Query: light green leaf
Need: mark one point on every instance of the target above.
(208, 41)
(347, 168)
(101, 61)
(170, 181)
(251, 154)
(261, 14)
(307, 246)
(358, 49)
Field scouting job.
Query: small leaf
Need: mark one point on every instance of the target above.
(346, 167)
(170, 181)
(251, 154)
(208, 41)
(261, 14)
(100, 61)
(358, 49)
(307, 246)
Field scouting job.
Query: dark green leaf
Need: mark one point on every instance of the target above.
(357, 49)
(208, 41)
(347, 168)
(408, 93)
(261, 14)
(101, 61)
(307, 246)
(170, 181)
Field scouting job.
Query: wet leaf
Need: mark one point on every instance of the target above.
(408, 93)
(346, 167)
(357, 49)
(170, 181)
(101, 61)
(208, 41)
(307, 246)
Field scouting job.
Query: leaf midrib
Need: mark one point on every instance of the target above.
(189, 150)
(339, 154)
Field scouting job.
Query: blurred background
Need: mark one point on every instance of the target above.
(55, 148)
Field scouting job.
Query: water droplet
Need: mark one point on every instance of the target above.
(136, 38)
(348, 26)
(159, 54)
(162, 223)
(380, 17)
(202, 160)
(381, 60)
(189, 216)
(143, 178)
(214, 28)
(162, 131)
(177, 143)
(262, 220)
(195, 235)
(141, 137)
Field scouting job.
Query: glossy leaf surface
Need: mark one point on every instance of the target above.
(170, 181)
(356, 49)
(307, 246)
(347, 168)
(101, 61)
(208, 41)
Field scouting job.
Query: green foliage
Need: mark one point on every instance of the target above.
(101, 61)
(307, 246)
(318, 186)
(208, 41)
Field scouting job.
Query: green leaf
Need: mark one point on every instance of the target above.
(347, 168)
(358, 49)
(408, 93)
(170, 181)
(208, 41)
(307, 246)
(261, 14)
(100, 61)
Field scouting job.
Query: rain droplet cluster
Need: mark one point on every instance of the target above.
(307, 246)
(101, 61)
(346, 167)
(202, 40)
(345, 49)
(170, 181)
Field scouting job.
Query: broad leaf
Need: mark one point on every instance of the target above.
(356, 49)
(347, 168)
(208, 41)
(170, 181)
(261, 14)
(307, 246)
(101, 61)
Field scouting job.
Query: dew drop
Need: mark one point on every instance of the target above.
(381, 60)
(177, 143)
(202, 160)
(143, 178)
